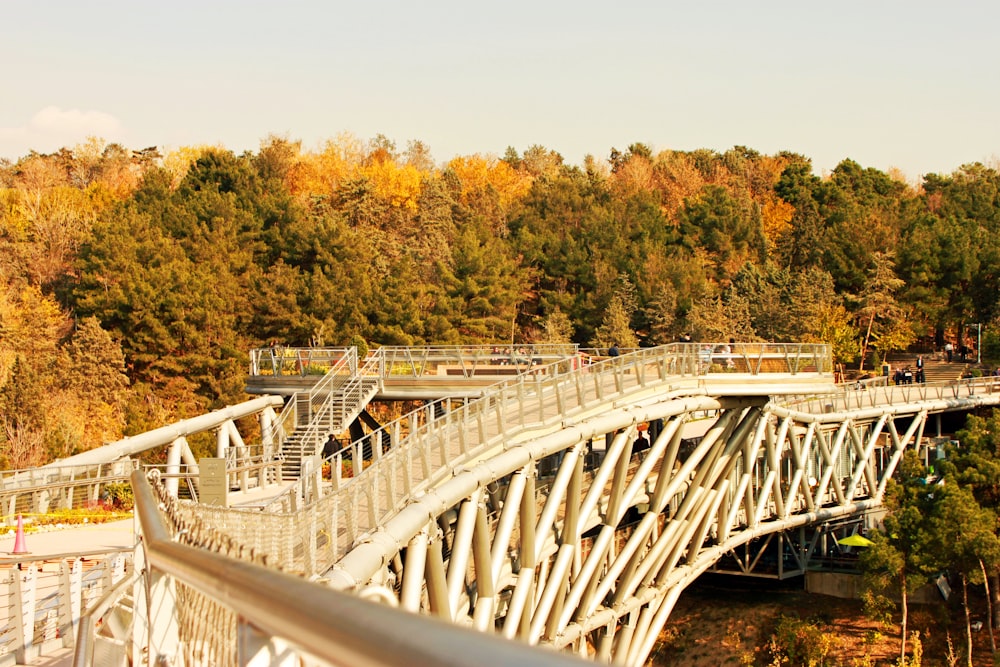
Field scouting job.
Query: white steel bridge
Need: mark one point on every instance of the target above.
(565, 507)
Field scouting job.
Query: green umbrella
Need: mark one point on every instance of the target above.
(855, 540)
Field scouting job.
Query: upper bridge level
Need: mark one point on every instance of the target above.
(433, 372)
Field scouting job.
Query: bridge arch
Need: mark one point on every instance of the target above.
(600, 558)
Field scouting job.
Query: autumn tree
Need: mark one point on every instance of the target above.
(882, 318)
(616, 326)
(902, 556)
(964, 534)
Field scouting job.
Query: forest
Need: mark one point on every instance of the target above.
(134, 282)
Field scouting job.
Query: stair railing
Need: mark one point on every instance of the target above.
(303, 401)
(341, 400)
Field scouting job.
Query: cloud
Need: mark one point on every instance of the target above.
(53, 128)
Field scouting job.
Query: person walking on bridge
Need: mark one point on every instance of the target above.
(330, 447)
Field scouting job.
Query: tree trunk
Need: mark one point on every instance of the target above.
(905, 609)
(995, 596)
(989, 607)
(864, 350)
(968, 622)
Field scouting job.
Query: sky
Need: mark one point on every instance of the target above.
(912, 86)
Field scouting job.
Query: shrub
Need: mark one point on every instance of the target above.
(798, 642)
(118, 496)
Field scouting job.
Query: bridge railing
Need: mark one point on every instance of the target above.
(280, 360)
(44, 490)
(491, 360)
(861, 396)
(239, 610)
(253, 468)
(422, 448)
(48, 595)
(400, 362)
(467, 361)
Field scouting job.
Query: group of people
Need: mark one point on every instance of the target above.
(907, 376)
(964, 351)
(505, 356)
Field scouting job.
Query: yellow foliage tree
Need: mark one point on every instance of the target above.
(635, 175)
(830, 323)
(320, 173)
(677, 178)
(179, 160)
(31, 323)
(775, 218)
(398, 185)
(478, 173)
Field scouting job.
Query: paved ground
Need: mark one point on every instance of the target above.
(78, 538)
(111, 535)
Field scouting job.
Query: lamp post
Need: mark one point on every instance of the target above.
(979, 342)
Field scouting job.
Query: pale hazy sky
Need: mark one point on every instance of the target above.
(913, 85)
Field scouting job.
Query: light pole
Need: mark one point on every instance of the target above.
(979, 342)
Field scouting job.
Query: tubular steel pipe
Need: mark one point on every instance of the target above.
(413, 572)
(335, 627)
(167, 434)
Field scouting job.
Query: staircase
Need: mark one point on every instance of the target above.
(329, 407)
(942, 371)
(334, 415)
(935, 369)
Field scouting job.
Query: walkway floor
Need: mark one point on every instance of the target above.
(73, 539)
(62, 657)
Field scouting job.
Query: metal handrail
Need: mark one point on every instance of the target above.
(335, 627)
(300, 361)
(83, 650)
(346, 363)
(419, 361)
(65, 555)
(874, 396)
(63, 487)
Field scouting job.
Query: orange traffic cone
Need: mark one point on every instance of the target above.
(19, 546)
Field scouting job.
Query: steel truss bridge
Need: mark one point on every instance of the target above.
(566, 507)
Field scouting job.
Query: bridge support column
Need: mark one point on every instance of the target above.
(482, 616)
(652, 630)
(173, 466)
(517, 620)
(24, 585)
(413, 572)
(437, 585)
(460, 548)
(604, 643)
(222, 439)
(623, 639)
